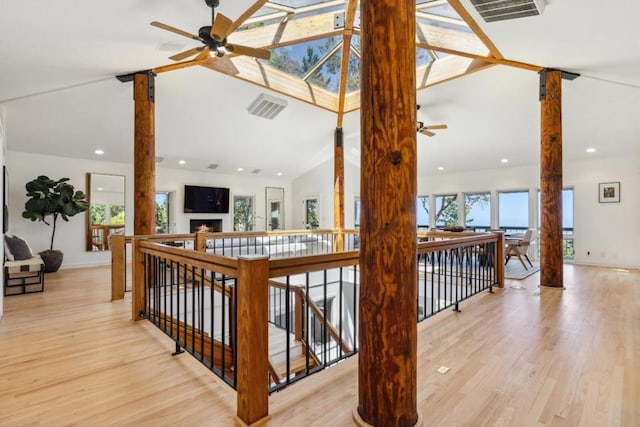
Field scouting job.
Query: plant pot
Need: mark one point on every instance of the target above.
(52, 260)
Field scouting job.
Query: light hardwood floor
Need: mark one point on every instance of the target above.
(68, 356)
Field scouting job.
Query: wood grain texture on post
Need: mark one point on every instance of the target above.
(551, 259)
(144, 164)
(388, 188)
(338, 189)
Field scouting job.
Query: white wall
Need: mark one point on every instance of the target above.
(3, 149)
(174, 180)
(70, 236)
(610, 232)
(318, 182)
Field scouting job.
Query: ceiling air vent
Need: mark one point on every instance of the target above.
(256, 171)
(502, 10)
(267, 106)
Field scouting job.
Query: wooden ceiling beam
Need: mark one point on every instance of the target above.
(453, 40)
(446, 69)
(460, 10)
(346, 54)
(264, 75)
(491, 59)
(291, 31)
(247, 14)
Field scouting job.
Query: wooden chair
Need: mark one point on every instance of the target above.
(518, 248)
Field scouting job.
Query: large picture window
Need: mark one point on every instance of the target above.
(513, 211)
(422, 212)
(477, 211)
(446, 210)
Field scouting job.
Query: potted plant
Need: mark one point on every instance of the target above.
(52, 198)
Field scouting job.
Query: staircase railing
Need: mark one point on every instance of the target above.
(261, 324)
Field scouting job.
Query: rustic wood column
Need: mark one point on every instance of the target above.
(252, 339)
(144, 154)
(388, 187)
(338, 189)
(551, 262)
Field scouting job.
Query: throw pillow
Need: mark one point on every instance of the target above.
(18, 248)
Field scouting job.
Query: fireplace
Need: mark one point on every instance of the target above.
(207, 225)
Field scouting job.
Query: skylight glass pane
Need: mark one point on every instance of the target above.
(422, 57)
(443, 10)
(353, 76)
(328, 76)
(299, 59)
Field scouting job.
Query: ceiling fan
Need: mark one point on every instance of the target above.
(426, 129)
(212, 53)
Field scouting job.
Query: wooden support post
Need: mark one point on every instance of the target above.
(338, 190)
(253, 338)
(144, 164)
(498, 262)
(388, 189)
(118, 265)
(200, 243)
(551, 261)
(137, 287)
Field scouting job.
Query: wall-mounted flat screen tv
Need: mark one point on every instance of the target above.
(205, 199)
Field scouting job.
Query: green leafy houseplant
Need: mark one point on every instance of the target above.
(52, 198)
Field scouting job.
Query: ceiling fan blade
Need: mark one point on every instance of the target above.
(175, 30)
(432, 127)
(249, 51)
(204, 54)
(424, 131)
(222, 27)
(184, 64)
(187, 53)
(222, 64)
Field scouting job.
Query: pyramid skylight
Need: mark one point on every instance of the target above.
(308, 39)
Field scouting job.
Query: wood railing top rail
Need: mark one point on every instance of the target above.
(237, 234)
(244, 234)
(452, 243)
(160, 237)
(217, 263)
(305, 264)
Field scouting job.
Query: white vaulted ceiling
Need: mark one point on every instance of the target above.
(58, 62)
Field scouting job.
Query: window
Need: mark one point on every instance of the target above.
(513, 213)
(446, 210)
(422, 212)
(356, 212)
(243, 213)
(162, 213)
(311, 207)
(477, 211)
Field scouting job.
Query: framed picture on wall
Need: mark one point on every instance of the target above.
(609, 192)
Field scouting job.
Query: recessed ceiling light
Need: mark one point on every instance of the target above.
(591, 150)
(440, 168)
(504, 160)
(279, 174)
(99, 188)
(240, 169)
(181, 162)
(99, 152)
